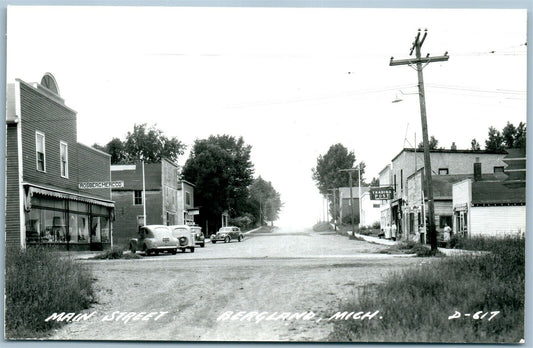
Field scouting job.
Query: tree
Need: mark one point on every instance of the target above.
(520, 136)
(509, 135)
(151, 145)
(117, 151)
(266, 201)
(495, 141)
(375, 182)
(326, 173)
(474, 145)
(143, 144)
(433, 143)
(221, 169)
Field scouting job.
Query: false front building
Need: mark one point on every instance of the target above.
(166, 201)
(48, 197)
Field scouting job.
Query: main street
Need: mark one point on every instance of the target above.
(266, 278)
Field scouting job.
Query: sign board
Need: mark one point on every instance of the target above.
(100, 185)
(381, 193)
(193, 211)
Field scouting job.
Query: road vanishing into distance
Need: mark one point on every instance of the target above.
(278, 286)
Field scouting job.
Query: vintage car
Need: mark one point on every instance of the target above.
(154, 238)
(227, 234)
(199, 235)
(185, 236)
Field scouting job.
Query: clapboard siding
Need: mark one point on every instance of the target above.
(94, 166)
(498, 220)
(12, 236)
(58, 123)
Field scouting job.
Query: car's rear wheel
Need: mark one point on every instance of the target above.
(240, 238)
(146, 250)
(174, 251)
(132, 249)
(202, 245)
(214, 241)
(226, 240)
(192, 250)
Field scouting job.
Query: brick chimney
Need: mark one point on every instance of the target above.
(477, 170)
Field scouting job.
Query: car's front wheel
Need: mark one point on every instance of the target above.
(240, 238)
(192, 250)
(132, 249)
(174, 251)
(202, 245)
(226, 240)
(214, 241)
(146, 250)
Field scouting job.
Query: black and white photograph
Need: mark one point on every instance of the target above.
(265, 174)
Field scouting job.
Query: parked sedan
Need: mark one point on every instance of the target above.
(154, 238)
(199, 235)
(227, 234)
(185, 236)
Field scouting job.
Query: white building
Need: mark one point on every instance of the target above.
(488, 208)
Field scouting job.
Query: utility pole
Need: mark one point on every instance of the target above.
(350, 171)
(418, 61)
(334, 208)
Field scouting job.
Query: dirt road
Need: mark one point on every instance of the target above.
(277, 287)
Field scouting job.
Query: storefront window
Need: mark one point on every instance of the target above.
(73, 228)
(83, 229)
(104, 229)
(95, 229)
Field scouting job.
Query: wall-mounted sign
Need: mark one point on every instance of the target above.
(100, 185)
(193, 211)
(381, 193)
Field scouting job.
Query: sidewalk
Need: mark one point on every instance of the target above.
(375, 239)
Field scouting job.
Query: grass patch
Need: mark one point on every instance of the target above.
(415, 305)
(115, 253)
(38, 283)
(411, 247)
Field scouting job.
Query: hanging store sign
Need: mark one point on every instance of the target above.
(381, 193)
(100, 185)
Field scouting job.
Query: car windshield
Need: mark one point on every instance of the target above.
(180, 229)
(225, 229)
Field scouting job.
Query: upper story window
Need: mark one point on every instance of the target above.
(40, 151)
(188, 198)
(137, 197)
(63, 157)
(498, 170)
(444, 171)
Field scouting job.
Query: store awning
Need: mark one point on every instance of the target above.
(44, 191)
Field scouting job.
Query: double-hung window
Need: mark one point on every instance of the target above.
(40, 151)
(63, 155)
(137, 197)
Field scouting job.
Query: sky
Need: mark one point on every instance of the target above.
(290, 81)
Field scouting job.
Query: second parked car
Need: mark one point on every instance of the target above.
(154, 238)
(186, 238)
(227, 234)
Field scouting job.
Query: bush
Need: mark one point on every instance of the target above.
(38, 283)
(243, 222)
(115, 253)
(321, 227)
(376, 225)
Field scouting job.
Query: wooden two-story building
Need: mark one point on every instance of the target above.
(57, 190)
